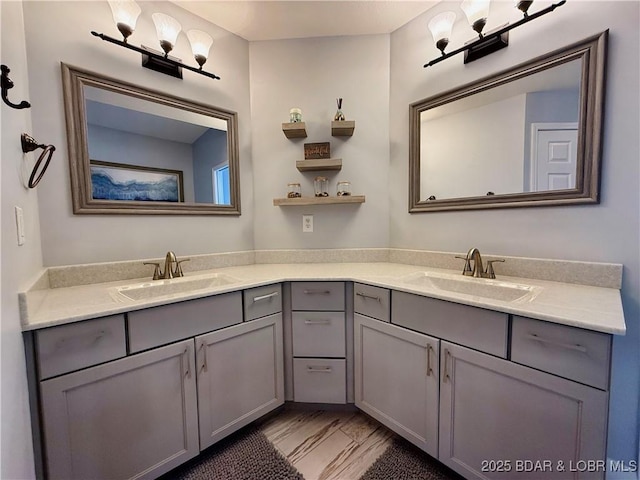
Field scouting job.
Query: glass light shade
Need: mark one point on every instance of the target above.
(477, 12)
(523, 5)
(441, 26)
(125, 14)
(167, 29)
(200, 45)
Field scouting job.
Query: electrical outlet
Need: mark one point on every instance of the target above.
(307, 223)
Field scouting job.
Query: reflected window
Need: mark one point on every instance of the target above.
(222, 195)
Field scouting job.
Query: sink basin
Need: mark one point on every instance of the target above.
(161, 288)
(478, 287)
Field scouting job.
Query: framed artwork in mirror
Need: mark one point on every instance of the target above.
(121, 181)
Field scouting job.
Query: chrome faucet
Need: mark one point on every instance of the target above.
(473, 255)
(169, 271)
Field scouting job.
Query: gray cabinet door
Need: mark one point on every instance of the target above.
(396, 377)
(130, 418)
(502, 420)
(240, 376)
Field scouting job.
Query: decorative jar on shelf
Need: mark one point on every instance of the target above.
(343, 189)
(295, 115)
(321, 186)
(294, 190)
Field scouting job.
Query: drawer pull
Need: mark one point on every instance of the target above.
(429, 369)
(318, 369)
(322, 321)
(372, 297)
(265, 297)
(317, 292)
(569, 346)
(447, 356)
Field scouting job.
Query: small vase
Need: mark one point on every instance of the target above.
(339, 116)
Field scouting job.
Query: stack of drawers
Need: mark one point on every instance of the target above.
(319, 342)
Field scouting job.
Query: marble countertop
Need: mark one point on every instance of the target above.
(589, 307)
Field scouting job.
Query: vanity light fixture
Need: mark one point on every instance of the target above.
(477, 12)
(125, 14)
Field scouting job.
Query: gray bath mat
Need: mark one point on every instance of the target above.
(246, 455)
(403, 461)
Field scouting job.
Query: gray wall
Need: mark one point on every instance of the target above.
(608, 232)
(59, 32)
(19, 264)
(310, 74)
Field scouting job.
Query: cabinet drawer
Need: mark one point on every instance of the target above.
(371, 301)
(317, 296)
(319, 380)
(318, 334)
(78, 345)
(569, 352)
(262, 301)
(476, 328)
(169, 323)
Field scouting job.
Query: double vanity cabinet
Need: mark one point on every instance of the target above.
(489, 394)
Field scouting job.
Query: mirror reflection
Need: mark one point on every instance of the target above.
(518, 137)
(526, 136)
(134, 150)
(140, 150)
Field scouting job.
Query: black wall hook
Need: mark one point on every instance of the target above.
(7, 84)
(29, 144)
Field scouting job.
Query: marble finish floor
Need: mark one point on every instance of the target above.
(328, 445)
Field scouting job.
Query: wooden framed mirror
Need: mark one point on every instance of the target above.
(524, 137)
(133, 150)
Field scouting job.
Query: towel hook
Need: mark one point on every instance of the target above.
(6, 84)
(29, 144)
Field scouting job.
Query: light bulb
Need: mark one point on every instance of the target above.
(167, 29)
(125, 14)
(200, 45)
(477, 12)
(441, 26)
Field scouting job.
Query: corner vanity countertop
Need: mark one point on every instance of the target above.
(589, 307)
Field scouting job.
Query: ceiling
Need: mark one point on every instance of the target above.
(275, 20)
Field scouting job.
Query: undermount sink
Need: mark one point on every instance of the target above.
(161, 288)
(478, 287)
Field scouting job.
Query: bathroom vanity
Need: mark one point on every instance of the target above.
(125, 388)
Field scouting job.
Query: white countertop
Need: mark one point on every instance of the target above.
(593, 308)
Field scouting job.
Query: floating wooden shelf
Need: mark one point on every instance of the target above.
(343, 129)
(285, 202)
(319, 164)
(295, 130)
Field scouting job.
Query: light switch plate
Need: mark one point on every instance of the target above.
(20, 226)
